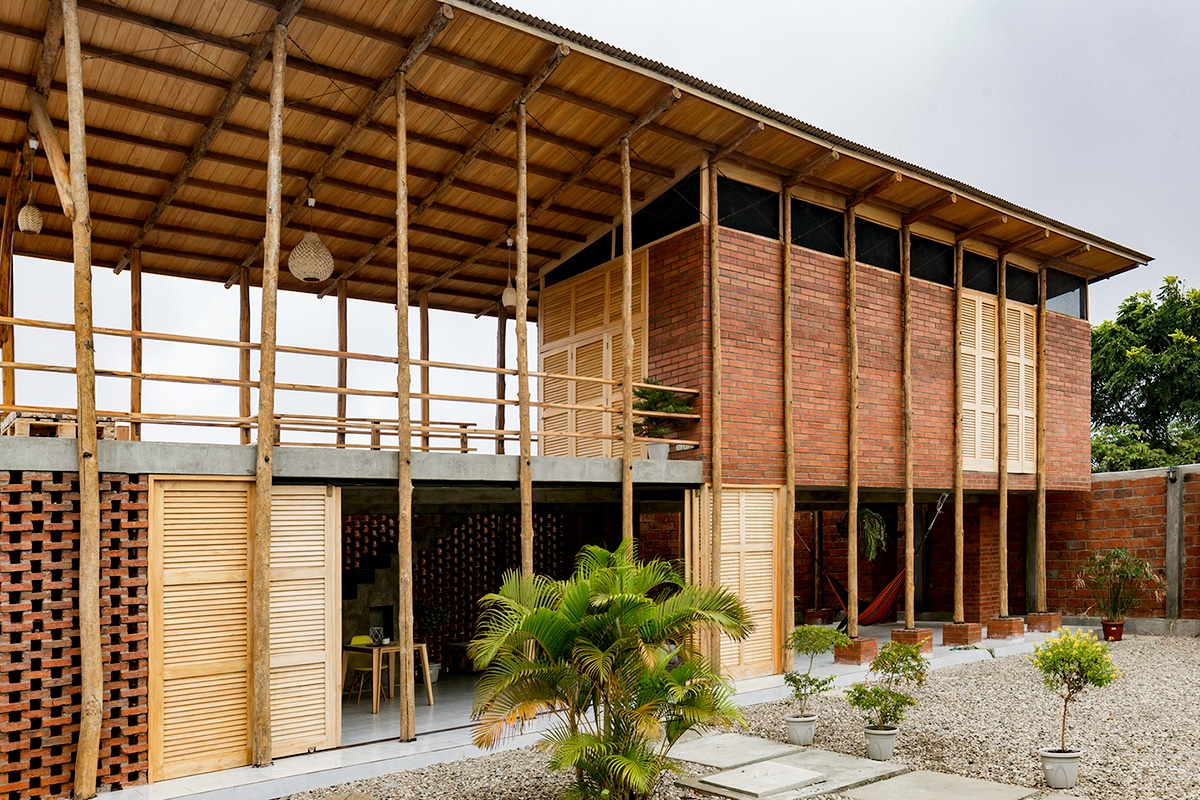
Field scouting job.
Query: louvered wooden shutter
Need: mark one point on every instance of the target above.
(590, 361)
(977, 322)
(199, 626)
(1021, 333)
(750, 567)
(305, 621)
(555, 390)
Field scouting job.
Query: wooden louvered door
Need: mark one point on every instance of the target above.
(977, 323)
(750, 566)
(305, 619)
(199, 626)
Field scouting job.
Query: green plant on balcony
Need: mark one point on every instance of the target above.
(660, 401)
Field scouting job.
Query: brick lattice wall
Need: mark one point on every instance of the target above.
(660, 536)
(39, 654)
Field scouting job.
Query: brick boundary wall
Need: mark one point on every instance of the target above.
(39, 649)
(1121, 510)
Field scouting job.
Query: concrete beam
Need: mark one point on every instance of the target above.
(1173, 562)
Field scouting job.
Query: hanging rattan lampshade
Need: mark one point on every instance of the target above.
(29, 219)
(311, 261)
(509, 297)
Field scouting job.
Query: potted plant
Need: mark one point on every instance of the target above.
(872, 532)
(658, 401)
(1069, 663)
(1118, 581)
(430, 618)
(883, 698)
(809, 640)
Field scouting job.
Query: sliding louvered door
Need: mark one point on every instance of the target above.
(199, 626)
(977, 324)
(305, 619)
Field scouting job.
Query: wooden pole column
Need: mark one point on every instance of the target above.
(906, 391)
(522, 237)
(789, 432)
(714, 311)
(7, 232)
(260, 574)
(501, 378)
(407, 677)
(343, 346)
(626, 345)
(423, 309)
(244, 353)
(87, 752)
(135, 343)
(1039, 552)
(1002, 428)
(852, 425)
(959, 610)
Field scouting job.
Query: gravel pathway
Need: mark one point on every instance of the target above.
(982, 720)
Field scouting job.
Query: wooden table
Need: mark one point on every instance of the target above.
(377, 652)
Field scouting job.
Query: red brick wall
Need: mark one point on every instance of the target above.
(1068, 403)
(1127, 510)
(660, 536)
(39, 653)
(679, 353)
(1190, 597)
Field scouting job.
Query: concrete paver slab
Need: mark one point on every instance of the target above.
(925, 785)
(764, 779)
(728, 750)
(841, 772)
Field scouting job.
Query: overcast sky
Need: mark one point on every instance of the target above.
(1084, 111)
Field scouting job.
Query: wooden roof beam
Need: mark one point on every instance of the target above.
(236, 89)
(556, 57)
(971, 233)
(54, 154)
(669, 99)
(725, 150)
(1041, 235)
(385, 91)
(52, 48)
(875, 188)
(1065, 258)
(934, 207)
(815, 165)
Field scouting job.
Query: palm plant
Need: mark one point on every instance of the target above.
(609, 653)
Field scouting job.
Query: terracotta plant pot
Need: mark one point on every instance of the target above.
(1113, 631)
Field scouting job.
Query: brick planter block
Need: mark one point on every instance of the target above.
(961, 633)
(860, 651)
(1005, 628)
(918, 636)
(1044, 621)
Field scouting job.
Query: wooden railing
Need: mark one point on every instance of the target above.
(375, 430)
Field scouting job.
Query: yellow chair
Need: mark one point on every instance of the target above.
(359, 666)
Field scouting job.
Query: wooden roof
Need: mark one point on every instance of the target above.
(155, 74)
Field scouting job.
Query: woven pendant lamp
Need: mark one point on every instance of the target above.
(311, 261)
(29, 218)
(509, 297)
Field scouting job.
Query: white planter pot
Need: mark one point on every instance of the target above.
(435, 668)
(880, 743)
(800, 728)
(658, 451)
(1062, 769)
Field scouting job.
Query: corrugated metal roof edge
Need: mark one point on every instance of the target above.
(800, 126)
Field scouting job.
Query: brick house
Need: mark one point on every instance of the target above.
(168, 604)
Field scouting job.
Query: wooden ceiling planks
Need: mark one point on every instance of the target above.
(154, 73)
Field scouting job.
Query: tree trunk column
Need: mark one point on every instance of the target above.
(526, 464)
(626, 345)
(852, 425)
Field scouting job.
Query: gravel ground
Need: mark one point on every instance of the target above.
(1141, 734)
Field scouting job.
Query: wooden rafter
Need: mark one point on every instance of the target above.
(1065, 258)
(53, 147)
(669, 99)
(971, 233)
(814, 166)
(236, 89)
(52, 47)
(934, 207)
(727, 149)
(386, 90)
(874, 189)
(1042, 234)
(532, 85)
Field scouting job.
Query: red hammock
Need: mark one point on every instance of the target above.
(883, 607)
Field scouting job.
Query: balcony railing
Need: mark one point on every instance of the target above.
(302, 423)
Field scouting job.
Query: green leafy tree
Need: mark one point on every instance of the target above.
(896, 672)
(1145, 370)
(812, 641)
(1070, 663)
(609, 653)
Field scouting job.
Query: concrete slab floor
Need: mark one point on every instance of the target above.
(728, 750)
(763, 779)
(925, 785)
(841, 772)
